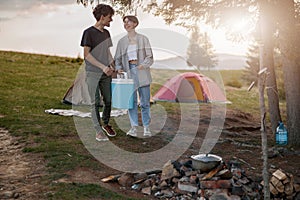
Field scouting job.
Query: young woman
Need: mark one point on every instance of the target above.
(134, 56)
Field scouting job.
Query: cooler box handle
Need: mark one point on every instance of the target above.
(122, 75)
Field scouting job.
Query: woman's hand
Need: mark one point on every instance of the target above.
(119, 71)
(140, 67)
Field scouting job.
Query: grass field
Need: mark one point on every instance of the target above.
(32, 83)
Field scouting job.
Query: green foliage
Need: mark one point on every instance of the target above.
(200, 51)
(280, 83)
(252, 68)
(234, 83)
(233, 78)
(240, 98)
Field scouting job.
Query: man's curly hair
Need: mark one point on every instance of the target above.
(103, 9)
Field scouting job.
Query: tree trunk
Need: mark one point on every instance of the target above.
(264, 141)
(264, 56)
(290, 49)
(267, 59)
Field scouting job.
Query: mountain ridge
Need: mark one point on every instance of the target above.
(225, 62)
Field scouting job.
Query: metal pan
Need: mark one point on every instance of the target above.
(205, 162)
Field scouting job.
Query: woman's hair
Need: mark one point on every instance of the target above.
(131, 18)
(102, 9)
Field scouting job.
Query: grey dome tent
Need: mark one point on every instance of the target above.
(77, 94)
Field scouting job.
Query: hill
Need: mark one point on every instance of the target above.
(225, 62)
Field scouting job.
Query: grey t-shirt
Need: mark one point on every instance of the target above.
(99, 42)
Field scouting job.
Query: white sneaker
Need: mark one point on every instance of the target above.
(101, 137)
(132, 132)
(147, 132)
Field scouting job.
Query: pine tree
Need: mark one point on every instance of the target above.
(252, 68)
(200, 51)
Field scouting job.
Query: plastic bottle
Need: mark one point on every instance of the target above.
(281, 134)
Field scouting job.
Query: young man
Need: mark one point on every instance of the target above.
(96, 42)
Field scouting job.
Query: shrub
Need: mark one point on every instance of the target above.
(234, 83)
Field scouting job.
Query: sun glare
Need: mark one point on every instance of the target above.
(240, 26)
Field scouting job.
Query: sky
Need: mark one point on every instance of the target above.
(55, 27)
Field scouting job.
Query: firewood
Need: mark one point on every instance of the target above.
(288, 179)
(273, 189)
(274, 180)
(280, 187)
(297, 187)
(110, 178)
(279, 175)
(288, 189)
(213, 172)
(277, 184)
(289, 186)
(225, 174)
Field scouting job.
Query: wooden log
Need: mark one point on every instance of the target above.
(273, 190)
(274, 180)
(288, 189)
(288, 178)
(224, 174)
(213, 172)
(277, 184)
(289, 186)
(110, 178)
(279, 175)
(297, 187)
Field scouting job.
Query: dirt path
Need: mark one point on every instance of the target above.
(19, 172)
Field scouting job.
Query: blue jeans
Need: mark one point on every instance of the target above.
(144, 94)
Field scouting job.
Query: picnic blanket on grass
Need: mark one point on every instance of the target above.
(71, 112)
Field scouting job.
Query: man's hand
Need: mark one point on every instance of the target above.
(108, 71)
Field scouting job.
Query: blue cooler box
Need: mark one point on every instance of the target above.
(122, 93)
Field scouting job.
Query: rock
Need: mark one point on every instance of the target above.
(167, 193)
(187, 187)
(237, 190)
(194, 179)
(221, 196)
(215, 184)
(169, 171)
(155, 188)
(146, 190)
(191, 173)
(126, 179)
(147, 183)
(7, 195)
(163, 184)
(175, 180)
(140, 176)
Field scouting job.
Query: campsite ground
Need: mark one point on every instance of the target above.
(24, 175)
(42, 156)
